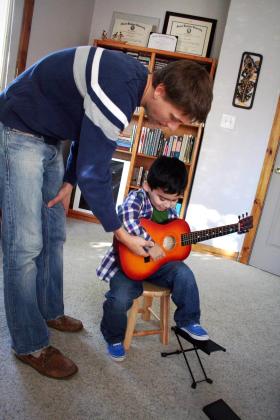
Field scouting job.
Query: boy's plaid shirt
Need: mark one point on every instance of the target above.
(136, 205)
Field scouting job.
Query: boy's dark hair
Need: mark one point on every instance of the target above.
(169, 174)
(188, 86)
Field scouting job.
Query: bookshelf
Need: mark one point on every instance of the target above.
(140, 144)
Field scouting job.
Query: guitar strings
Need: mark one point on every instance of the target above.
(192, 237)
(189, 238)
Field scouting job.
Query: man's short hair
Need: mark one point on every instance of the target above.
(188, 86)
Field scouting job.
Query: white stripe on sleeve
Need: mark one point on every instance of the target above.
(113, 108)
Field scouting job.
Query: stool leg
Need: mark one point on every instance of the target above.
(131, 321)
(147, 303)
(164, 319)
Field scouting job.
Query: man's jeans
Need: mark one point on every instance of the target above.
(31, 173)
(175, 275)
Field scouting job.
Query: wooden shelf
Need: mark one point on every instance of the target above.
(108, 43)
(143, 156)
(122, 154)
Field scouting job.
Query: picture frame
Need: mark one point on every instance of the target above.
(119, 169)
(247, 80)
(162, 41)
(195, 33)
(133, 29)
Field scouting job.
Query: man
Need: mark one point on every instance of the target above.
(87, 95)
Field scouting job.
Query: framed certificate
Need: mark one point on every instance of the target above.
(133, 29)
(162, 41)
(195, 34)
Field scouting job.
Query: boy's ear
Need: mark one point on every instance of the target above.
(146, 186)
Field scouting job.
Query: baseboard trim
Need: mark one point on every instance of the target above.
(87, 217)
(208, 249)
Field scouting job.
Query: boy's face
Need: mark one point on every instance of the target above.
(161, 200)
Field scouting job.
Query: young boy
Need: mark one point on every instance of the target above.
(166, 181)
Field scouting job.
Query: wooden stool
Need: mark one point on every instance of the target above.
(150, 291)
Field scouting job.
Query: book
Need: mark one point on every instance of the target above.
(140, 174)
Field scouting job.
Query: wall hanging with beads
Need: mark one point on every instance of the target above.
(247, 80)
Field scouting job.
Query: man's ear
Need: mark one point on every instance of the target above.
(159, 91)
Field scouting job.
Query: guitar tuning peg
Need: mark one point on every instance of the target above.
(242, 215)
(246, 214)
(239, 217)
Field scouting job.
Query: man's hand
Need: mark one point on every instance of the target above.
(136, 244)
(63, 195)
(156, 252)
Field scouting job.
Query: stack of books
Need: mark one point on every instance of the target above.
(180, 147)
(153, 143)
(161, 62)
(144, 59)
(139, 175)
(125, 140)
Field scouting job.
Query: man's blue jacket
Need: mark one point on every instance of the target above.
(86, 95)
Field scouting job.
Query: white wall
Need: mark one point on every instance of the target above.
(231, 161)
(58, 24)
(215, 9)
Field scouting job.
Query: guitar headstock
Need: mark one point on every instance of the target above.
(245, 223)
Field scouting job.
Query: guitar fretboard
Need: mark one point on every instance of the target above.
(203, 235)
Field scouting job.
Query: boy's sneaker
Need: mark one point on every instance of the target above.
(116, 351)
(196, 332)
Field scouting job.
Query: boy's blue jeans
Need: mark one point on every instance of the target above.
(175, 275)
(31, 173)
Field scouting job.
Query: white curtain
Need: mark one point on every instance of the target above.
(6, 15)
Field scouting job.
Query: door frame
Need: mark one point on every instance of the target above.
(268, 164)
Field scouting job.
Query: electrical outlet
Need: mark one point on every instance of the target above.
(228, 121)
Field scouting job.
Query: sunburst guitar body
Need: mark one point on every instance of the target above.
(175, 238)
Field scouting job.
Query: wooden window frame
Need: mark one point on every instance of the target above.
(24, 36)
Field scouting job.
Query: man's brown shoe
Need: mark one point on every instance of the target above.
(66, 323)
(51, 363)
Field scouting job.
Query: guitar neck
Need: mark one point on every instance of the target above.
(203, 235)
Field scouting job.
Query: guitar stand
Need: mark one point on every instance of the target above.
(207, 347)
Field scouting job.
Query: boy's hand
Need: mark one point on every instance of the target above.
(135, 244)
(156, 252)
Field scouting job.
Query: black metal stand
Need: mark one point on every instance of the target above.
(207, 347)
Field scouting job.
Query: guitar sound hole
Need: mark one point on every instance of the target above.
(169, 243)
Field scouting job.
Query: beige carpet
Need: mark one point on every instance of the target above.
(240, 309)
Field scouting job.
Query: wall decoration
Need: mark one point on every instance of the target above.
(195, 34)
(133, 29)
(247, 80)
(119, 169)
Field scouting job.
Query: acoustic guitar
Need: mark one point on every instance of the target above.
(176, 238)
